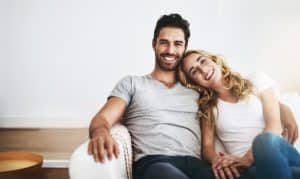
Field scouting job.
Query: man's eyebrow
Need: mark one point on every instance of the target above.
(164, 40)
(179, 41)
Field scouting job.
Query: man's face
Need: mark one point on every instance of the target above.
(169, 48)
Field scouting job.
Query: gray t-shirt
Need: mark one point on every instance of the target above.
(161, 120)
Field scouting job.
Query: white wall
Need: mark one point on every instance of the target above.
(59, 59)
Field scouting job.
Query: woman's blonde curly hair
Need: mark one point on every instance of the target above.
(238, 86)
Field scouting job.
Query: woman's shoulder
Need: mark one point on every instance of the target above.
(261, 81)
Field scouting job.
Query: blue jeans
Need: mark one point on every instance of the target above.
(171, 167)
(274, 158)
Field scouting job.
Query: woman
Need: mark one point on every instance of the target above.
(245, 115)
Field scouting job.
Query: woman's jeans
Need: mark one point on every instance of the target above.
(274, 158)
(171, 167)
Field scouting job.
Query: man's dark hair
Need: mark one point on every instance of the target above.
(172, 20)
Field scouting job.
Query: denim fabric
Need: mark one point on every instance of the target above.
(275, 158)
(171, 167)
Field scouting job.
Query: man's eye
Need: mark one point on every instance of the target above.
(178, 44)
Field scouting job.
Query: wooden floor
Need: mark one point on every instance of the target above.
(52, 144)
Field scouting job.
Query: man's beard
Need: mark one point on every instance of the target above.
(165, 66)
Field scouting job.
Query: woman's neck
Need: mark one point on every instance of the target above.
(226, 95)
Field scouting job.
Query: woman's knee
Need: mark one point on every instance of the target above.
(266, 142)
(267, 138)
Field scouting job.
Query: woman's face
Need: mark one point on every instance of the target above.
(202, 70)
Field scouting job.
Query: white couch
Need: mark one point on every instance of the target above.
(83, 166)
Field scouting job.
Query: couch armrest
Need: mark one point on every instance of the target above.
(83, 166)
(120, 133)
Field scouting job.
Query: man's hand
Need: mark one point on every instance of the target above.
(102, 145)
(290, 133)
(290, 127)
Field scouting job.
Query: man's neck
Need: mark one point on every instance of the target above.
(168, 78)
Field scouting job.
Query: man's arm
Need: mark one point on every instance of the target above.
(101, 142)
(290, 127)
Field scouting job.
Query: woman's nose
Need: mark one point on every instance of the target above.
(199, 68)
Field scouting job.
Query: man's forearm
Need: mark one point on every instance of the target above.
(98, 123)
(290, 127)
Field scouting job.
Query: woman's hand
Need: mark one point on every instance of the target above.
(243, 162)
(223, 167)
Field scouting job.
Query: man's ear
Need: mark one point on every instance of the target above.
(153, 43)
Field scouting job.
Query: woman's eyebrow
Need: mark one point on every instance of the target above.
(199, 58)
(191, 69)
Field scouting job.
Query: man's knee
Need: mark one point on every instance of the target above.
(163, 170)
(296, 172)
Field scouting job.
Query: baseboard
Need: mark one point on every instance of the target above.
(42, 122)
(55, 164)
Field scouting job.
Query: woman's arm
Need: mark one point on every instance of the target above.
(208, 147)
(209, 153)
(208, 140)
(271, 111)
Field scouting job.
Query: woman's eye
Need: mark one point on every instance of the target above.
(203, 61)
(194, 72)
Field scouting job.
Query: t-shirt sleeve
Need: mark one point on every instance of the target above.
(123, 89)
(261, 81)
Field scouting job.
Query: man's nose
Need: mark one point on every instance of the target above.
(171, 49)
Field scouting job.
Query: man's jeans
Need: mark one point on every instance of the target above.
(274, 158)
(171, 167)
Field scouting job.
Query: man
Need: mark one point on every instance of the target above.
(159, 112)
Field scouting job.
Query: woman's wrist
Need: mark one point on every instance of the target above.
(249, 160)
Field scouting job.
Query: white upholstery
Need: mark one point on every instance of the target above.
(83, 166)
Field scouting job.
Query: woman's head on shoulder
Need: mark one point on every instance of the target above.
(207, 73)
(202, 68)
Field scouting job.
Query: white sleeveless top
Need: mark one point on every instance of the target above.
(237, 124)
